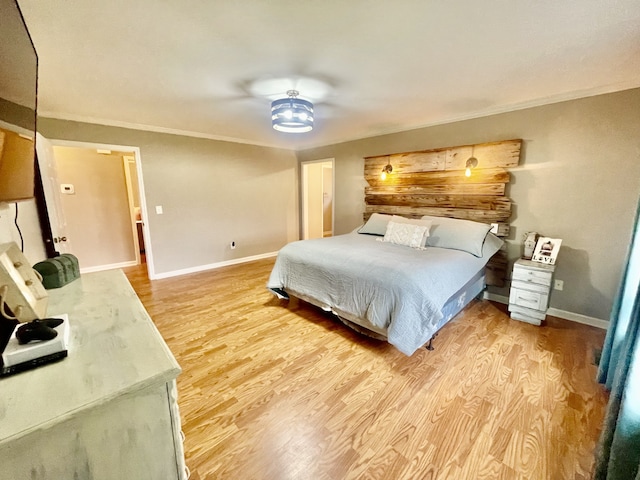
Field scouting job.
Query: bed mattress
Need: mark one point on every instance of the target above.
(396, 289)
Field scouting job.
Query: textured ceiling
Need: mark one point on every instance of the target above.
(211, 68)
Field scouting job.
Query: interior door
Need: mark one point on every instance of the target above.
(51, 186)
(130, 178)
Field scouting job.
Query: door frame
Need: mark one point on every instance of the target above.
(135, 151)
(304, 214)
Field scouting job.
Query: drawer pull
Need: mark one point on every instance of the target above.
(527, 300)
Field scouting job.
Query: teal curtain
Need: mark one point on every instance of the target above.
(618, 456)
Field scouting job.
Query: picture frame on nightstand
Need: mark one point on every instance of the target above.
(546, 250)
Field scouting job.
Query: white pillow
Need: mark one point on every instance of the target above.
(491, 245)
(415, 221)
(376, 225)
(405, 234)
(457, 234)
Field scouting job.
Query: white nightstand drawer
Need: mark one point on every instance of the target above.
(531, 276)
(529, 312)
(529, 286)
(526, 318)
(526, 298)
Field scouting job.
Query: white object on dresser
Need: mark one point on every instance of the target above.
(15, 353)
(109, 410)
(530, 289)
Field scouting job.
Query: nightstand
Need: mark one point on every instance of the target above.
(530, 290)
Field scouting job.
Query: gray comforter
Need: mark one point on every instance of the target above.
(394, 287)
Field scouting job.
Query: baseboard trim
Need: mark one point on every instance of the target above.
(212, 266)
(578, 318)
(555, 312)
(496, 298)
(111, 266)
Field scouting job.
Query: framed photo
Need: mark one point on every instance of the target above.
(546, 250)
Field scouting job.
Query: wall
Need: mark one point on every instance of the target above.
(133, 176)
(17, 115)
(29, 226)
(579, 180)
(314, 200)
(327, 198)
(97, 214)
(212, 192)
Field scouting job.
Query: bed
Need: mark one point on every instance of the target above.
(403, 290)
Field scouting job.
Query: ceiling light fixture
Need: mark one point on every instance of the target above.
(292, 114)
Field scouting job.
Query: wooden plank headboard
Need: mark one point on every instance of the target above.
(433, 182)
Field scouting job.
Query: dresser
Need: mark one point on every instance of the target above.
(530, 290)
(107, 411)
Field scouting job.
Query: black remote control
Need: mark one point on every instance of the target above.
(35, 330)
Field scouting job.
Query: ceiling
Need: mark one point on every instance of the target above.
(211, 68)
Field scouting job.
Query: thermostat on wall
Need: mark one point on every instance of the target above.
(67, 188)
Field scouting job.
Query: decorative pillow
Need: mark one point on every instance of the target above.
(405, 234)
(457, 234)
(376, 225)
(415, 221)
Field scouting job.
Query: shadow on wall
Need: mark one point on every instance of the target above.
(574, 264)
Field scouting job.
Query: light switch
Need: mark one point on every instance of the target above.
(159, 209)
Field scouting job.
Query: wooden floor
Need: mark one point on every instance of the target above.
(280, 390)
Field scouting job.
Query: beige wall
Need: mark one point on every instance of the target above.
(29, 226)
(314, 200)
(133, 176)
(212, 193)
(327, 197)
(579, 180)
(17, 115)
(97, 214)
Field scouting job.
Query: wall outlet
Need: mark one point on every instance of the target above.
(232, 245)
(558, 284)
(67, 188)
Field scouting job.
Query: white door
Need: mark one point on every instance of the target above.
(50, 185)
(129, 163)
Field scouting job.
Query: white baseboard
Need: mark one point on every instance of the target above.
(496, 297)
(555, 312)
(578, 318)
(212, 266)
(111, 266)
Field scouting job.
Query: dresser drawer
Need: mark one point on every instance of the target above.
(529, 286)
(529, 312)
(528, 299)
(526, 318)
(531, 276)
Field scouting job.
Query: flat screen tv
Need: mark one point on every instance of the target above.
(18, 102)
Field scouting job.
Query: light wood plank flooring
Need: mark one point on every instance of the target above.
(281, 390)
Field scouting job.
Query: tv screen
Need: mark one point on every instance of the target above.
(18, 101)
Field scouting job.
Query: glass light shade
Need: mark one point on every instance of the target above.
(472, 162)
(292, 115)
(386, 170)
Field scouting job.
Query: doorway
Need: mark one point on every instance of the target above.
(98, 199)
(317, 198)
